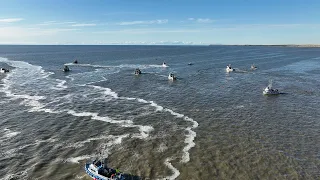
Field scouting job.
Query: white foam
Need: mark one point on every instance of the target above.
(61, 85)
(189, 140)
(190, 144)
(9, 134)
(79, 158)
(50, 140)
(141, 66)
(144, 130)
(152, 103)
(141, 100)
(19, 175)
(158, 108)
(107, 91)
(35, 75)
(13, 151)
(162, 147)
(178, 115)
(175, 171)
(115, 140)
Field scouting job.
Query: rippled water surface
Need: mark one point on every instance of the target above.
(208, 124)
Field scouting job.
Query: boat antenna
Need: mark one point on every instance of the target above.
(270, 83)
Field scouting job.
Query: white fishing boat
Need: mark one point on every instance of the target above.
(172, 77)
(98, 170)
(253, 67)
(164, 64)
(229, 68)
(269, 90)
(3, 70)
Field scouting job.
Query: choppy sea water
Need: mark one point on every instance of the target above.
(208, 124)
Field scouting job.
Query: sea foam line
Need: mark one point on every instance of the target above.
(175, 171)
(144, 130)
(61, 85)
(9, 134)
(189, 137)
(114, 141)
(141, 66)
(36, 106)
(189, 140)
(191, 134)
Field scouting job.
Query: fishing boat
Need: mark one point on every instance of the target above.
(98, 170)
(172, 77)
(3, 70)
(253, 67)
(137, 71)
(229, 68)
(269, 90)
(66, 69)
(164, 64)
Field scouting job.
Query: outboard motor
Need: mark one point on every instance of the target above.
(105, 162)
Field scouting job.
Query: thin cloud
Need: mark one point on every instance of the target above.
(147, 31)
(207, 20)
(16, 33)
(47, 23)
(123, 13)
(10, 20)
(83, 25)
(159, 21)
(201, 20)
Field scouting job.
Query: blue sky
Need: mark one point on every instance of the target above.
(160, 22)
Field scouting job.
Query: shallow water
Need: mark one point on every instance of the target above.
(208, 124)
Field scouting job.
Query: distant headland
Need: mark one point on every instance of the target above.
(274, 45)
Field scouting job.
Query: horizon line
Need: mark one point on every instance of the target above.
(217, 44)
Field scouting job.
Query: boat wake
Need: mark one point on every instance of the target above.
(44, 100)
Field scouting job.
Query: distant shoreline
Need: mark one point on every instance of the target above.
(276, 45)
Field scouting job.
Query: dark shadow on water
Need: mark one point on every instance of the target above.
(132, 177)
(283, 93)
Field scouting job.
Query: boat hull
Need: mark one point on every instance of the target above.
(96, 176)
(270, 93)
(229, 70)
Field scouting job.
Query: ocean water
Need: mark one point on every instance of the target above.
(208, 124)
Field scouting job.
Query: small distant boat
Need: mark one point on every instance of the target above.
(270, 91)
(98, 170)
(172, 77)
(3, 70)
(190, 64)
(229, 68)
(66, 69)
(164, 64)
(253, 67)
(75, 62)
(137, 71)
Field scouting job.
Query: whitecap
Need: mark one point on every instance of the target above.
(9, 134)
(79, 158)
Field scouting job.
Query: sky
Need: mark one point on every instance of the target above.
(181, 22)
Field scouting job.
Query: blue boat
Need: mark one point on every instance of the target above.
(98, 170)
